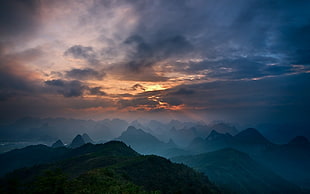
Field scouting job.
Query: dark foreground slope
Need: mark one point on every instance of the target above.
(236, 172)
(108, 168)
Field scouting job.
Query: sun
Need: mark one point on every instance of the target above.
(155, 87)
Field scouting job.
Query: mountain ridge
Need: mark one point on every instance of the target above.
(237, 172)
(100, 168)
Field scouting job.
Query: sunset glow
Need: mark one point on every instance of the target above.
(106, 58)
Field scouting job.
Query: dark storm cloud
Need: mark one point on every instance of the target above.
(83, 52)
(143, 56)
(85, 74)
(242, 36)
(73, 88)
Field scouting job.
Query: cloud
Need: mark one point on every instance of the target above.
(276, 97)
(85, 74)
(97, 91)
(57, 83)
(137, 102)
(83, 52)
(138, 87)
(73, 88)
(184, 91)
(225, 45)
(15, 78)
(173, 101)
(143, 56)
(18, 18)
(243, 40)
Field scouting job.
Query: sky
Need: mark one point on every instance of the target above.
(242, 60)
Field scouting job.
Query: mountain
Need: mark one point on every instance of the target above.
(214, 141)
(45, 130)
(29, 156)
(236, 172)
(291, 160)
(299, 141)
(144, 142)
(248, 140)
(58, 144)
(137, 136)
(183, 136)
(78, 141)
(251, 136)
(107, 168)
(222, 127)
(87, 139)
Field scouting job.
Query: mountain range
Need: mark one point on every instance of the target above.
(144, 142)
(195, 144)
(112, 167)
(29, 130)
(235, 172)
(291, 160)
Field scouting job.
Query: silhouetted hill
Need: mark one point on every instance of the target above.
(183, 136)
(249, 141)
(47, 129)
(58, 144)
(87, 139)
(29, 156)
(251, 136)
(236, 172)
(144, 142)
(112, 167)
(222, 127)
(78, 141)
(291, 161)
(40, 154)
(214, 141)
(138, 136)
(300, 140)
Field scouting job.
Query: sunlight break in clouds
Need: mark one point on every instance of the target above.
(99, 58)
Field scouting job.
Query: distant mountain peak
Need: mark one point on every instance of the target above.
(78, 141)
(299, 140)
(214, 132)
(224, 128)
(171, 143)
(131, 128)
(134, 133)
(214, 135)
(251, 135)
(58, 144)
(140, 140)
(87, 139)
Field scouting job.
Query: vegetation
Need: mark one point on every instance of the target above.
(109, 168)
